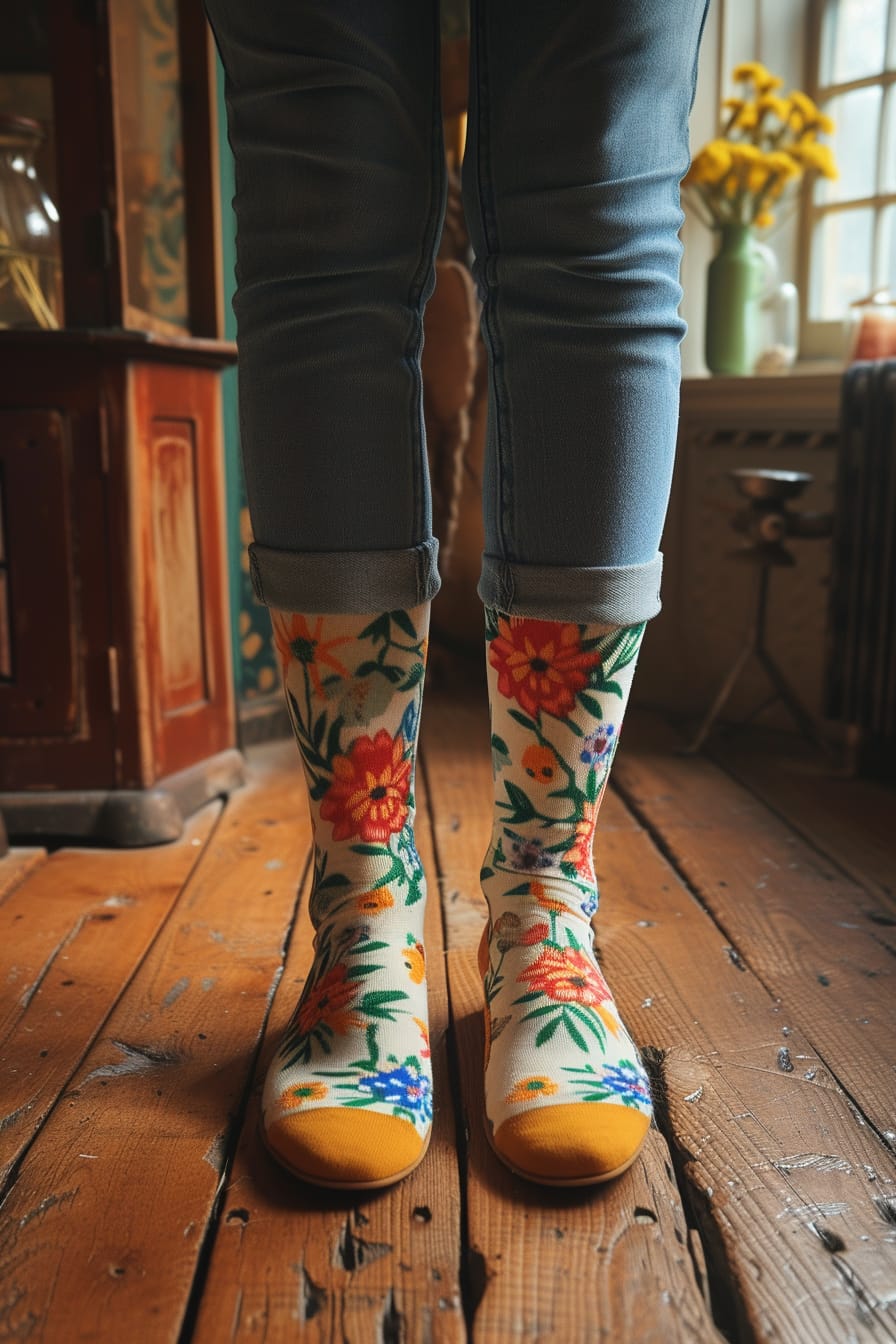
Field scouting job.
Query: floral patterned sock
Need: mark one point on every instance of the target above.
(348, 1097)
(566, 1095)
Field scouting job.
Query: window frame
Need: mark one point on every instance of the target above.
(824, 338)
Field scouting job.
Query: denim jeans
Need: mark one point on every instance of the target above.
(577, 141)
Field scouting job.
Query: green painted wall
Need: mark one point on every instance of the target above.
(254, 661)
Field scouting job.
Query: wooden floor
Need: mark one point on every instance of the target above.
(748, 927)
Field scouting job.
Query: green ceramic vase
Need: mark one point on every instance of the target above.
(734, 285)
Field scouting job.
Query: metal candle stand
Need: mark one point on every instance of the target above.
(767, 521)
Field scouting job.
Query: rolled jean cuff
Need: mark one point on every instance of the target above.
(345, 581)
(623, 595)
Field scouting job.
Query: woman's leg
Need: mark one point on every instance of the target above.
(335, 125)
(577, 143)
(334, 121)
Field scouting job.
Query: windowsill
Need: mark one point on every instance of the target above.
(807, 396)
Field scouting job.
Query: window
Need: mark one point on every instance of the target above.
(850, 223)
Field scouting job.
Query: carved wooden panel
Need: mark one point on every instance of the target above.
(178, 564)
(180, 657)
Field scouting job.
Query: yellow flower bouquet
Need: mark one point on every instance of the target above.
(768, 142)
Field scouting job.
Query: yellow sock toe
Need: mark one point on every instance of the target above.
(335, 1146)
(579, 1143)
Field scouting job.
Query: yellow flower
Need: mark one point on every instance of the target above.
(766, 143)
(764, 219)
(527, 1089)
(754, 72)
(297, 1096)
(782, 164)
(711, 164)
(779, 107)
(804, 104)
(819, 158)
(414, 960)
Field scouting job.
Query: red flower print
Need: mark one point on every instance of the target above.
(541, 664)
(368, 796)
(328, 1003)
(567, 976)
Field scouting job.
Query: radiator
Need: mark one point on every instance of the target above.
(860, 663)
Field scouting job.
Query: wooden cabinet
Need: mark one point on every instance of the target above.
(116, 702)
(114, 656)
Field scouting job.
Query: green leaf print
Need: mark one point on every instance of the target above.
(375, 1002)
(524, 720)
(547, 1031)
(576, 1036)
(404, 622)
(593, 706)
(519, 802)
(412, 678)
(378, 629)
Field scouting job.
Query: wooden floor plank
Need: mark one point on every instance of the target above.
(797, 921)
(549, 1264)
(102, 1228)
(71, 936)
(783, 1177)
(16, 865)
(790, 1189)
(849, 820)
(290, 1262)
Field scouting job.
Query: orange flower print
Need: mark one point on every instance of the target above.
(552, 903)
(368, 796)
(541, 664)
(328, 1003)
(580, 853)
(425, 1052)
(374, 902)
(567, 976)
(415, 960)
(294, 640)
(528, 1089)
(540, 763)
(294, 1097)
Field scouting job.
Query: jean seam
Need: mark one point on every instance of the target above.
(490, 319)
(437, 187)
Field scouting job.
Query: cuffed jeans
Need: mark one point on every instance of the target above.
(577, 141)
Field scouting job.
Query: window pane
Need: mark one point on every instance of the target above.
(841, 262)
(854, 142)
(887, 270)
(889, 134)
(854, 36)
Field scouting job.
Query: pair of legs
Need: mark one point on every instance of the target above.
(577, 140)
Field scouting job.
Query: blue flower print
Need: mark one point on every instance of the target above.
(403, 1087)
(598, 745)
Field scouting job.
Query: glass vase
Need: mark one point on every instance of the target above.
(733, 291)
